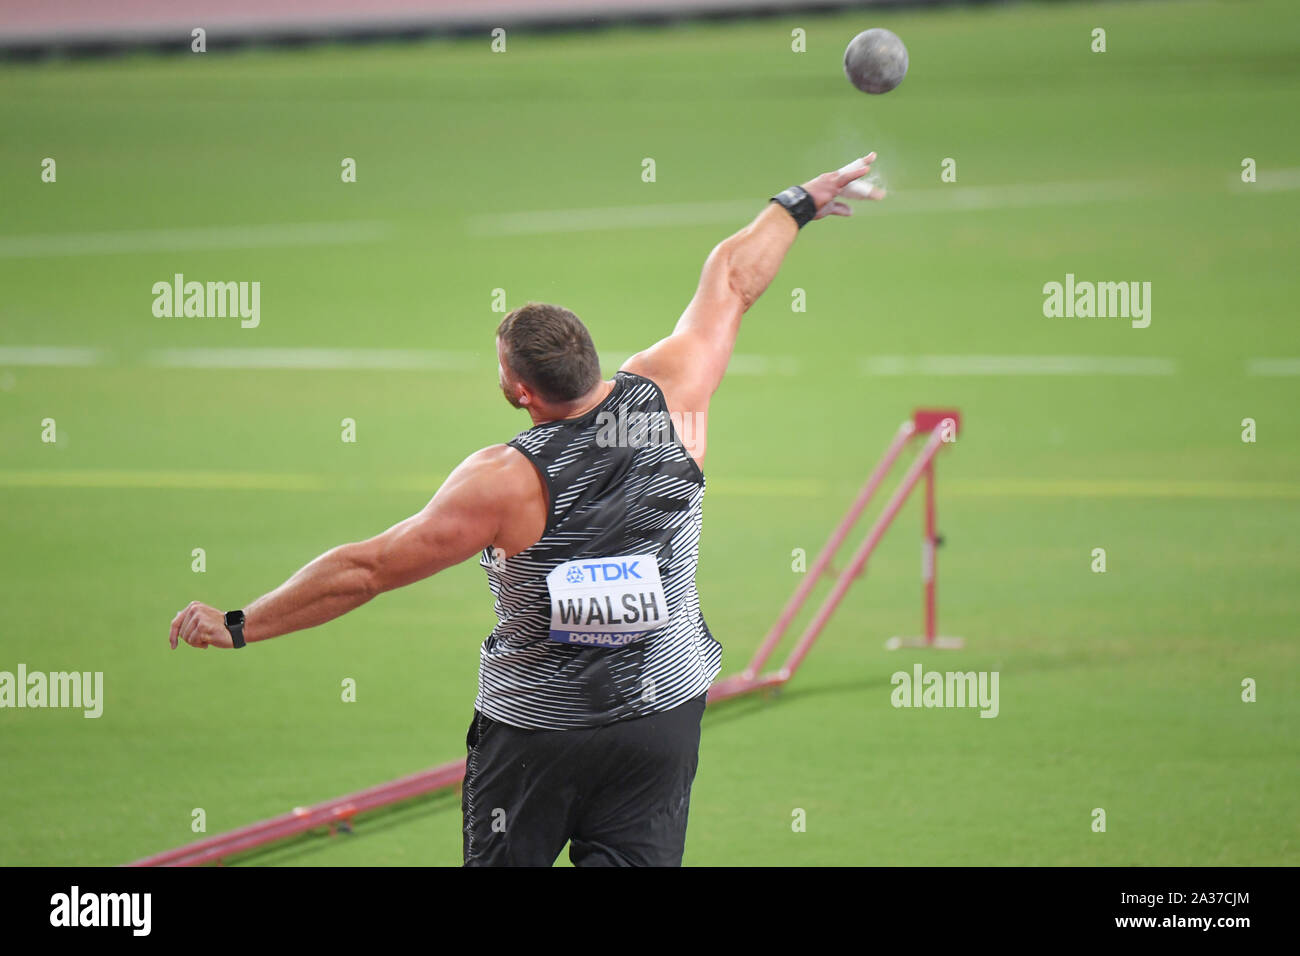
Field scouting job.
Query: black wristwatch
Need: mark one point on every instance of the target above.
(798, 204)
(235, 625)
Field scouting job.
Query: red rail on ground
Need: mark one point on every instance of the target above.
(939, 425)
(331, 812)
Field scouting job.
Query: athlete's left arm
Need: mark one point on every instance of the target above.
(462, 519)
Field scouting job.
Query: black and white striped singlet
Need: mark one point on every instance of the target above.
(606, 638)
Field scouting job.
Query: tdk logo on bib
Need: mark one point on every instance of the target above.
(619, 570)
(606, 602)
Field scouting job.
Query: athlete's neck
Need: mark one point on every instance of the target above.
(574, 409)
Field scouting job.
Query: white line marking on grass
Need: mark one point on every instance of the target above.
(900, 201)
(1015, 365)
(1269, 180)
(318, 358)
(1118, 488)
(1273, 366)
(967, 198)
(335, 359)
(613, 217)
(149, 480)
(197, 238)
(51, 355)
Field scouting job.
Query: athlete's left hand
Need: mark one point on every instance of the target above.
(201, 626)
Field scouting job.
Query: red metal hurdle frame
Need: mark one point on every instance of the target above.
(940, 427)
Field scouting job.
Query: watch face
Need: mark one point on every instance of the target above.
(234, 618)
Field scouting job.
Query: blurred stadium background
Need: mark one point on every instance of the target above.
(522, 171)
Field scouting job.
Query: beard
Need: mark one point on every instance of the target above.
(510, 399)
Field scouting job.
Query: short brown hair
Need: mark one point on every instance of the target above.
(550, 349)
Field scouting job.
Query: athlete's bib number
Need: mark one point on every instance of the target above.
(606, 602)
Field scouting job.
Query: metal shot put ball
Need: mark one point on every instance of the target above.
(875, 61)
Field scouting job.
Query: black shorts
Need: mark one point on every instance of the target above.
(618, 794)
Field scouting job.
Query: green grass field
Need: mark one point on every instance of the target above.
(1119, 691)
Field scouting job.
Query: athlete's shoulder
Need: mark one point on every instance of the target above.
(497, 465)
(495, 478)
(509, 485)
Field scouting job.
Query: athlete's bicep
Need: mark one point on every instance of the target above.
(689, 364)
(460, 521)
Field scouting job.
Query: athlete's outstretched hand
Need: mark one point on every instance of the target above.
(200, 626)
(829, 188)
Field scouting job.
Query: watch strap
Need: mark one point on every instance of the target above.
(235, 625)
(798, 203)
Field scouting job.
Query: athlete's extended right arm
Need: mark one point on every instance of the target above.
(689, 364)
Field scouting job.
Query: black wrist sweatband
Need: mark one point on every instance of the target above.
(798, 204)
(234, 621)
